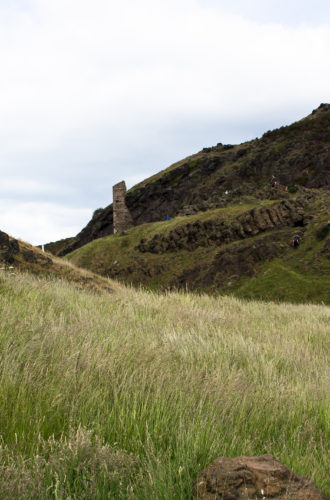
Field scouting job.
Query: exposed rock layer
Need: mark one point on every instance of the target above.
(215, 232)
(230, 264)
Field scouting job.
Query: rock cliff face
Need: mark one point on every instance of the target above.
(297, 155)
(8, 249)
(217, 232)
(231, 263)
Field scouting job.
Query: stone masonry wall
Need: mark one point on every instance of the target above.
(122, 219)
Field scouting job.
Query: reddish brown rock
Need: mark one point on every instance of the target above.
(247, 478)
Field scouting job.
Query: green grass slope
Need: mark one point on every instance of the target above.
(17, 256)
(132, 394)
(297, 155)
(301, 275)
(279, 274)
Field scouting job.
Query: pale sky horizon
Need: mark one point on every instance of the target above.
(92, 93)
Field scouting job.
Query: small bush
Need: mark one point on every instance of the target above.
(292, 189)
(323, 231)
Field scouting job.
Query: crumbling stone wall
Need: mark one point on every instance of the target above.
(122, 219)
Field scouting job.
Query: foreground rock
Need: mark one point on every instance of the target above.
(245, 478)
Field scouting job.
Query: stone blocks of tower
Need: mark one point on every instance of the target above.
(122, 219)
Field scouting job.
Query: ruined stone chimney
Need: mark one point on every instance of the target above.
(122, 219)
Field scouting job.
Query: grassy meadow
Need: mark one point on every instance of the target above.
(130, 394)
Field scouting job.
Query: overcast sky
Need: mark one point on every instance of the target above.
(94, 92)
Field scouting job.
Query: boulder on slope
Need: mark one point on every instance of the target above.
(247, 478)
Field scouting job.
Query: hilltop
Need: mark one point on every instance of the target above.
(297, 156)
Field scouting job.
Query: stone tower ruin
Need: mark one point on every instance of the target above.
(122, 219)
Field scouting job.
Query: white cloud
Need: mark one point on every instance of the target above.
(41, 222)
(29, 188)
(91, 91)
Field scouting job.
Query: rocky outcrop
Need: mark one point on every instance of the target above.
(247, 478)
(11, 252)
(215, 232)
(22, 257)
(8, 248)
(231, 263)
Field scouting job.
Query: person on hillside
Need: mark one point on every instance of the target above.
(296, 241)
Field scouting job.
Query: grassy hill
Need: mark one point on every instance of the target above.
(243, 249)
(131, 394)
(55, 247)
(297, 155)
(17, 256)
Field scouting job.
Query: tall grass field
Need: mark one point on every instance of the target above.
(131, 394)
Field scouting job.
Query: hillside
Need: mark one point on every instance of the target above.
(19, 256)
(130, 395)
(297, 156)
(55, 247)
(243, 249)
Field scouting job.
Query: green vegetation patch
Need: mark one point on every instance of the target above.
(132, 394)
(104, 251)
(296, 276)
(299, 276)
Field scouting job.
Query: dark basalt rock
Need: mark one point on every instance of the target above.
(8, 248)
(217, 232)
(29, 256)
(229, 264)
